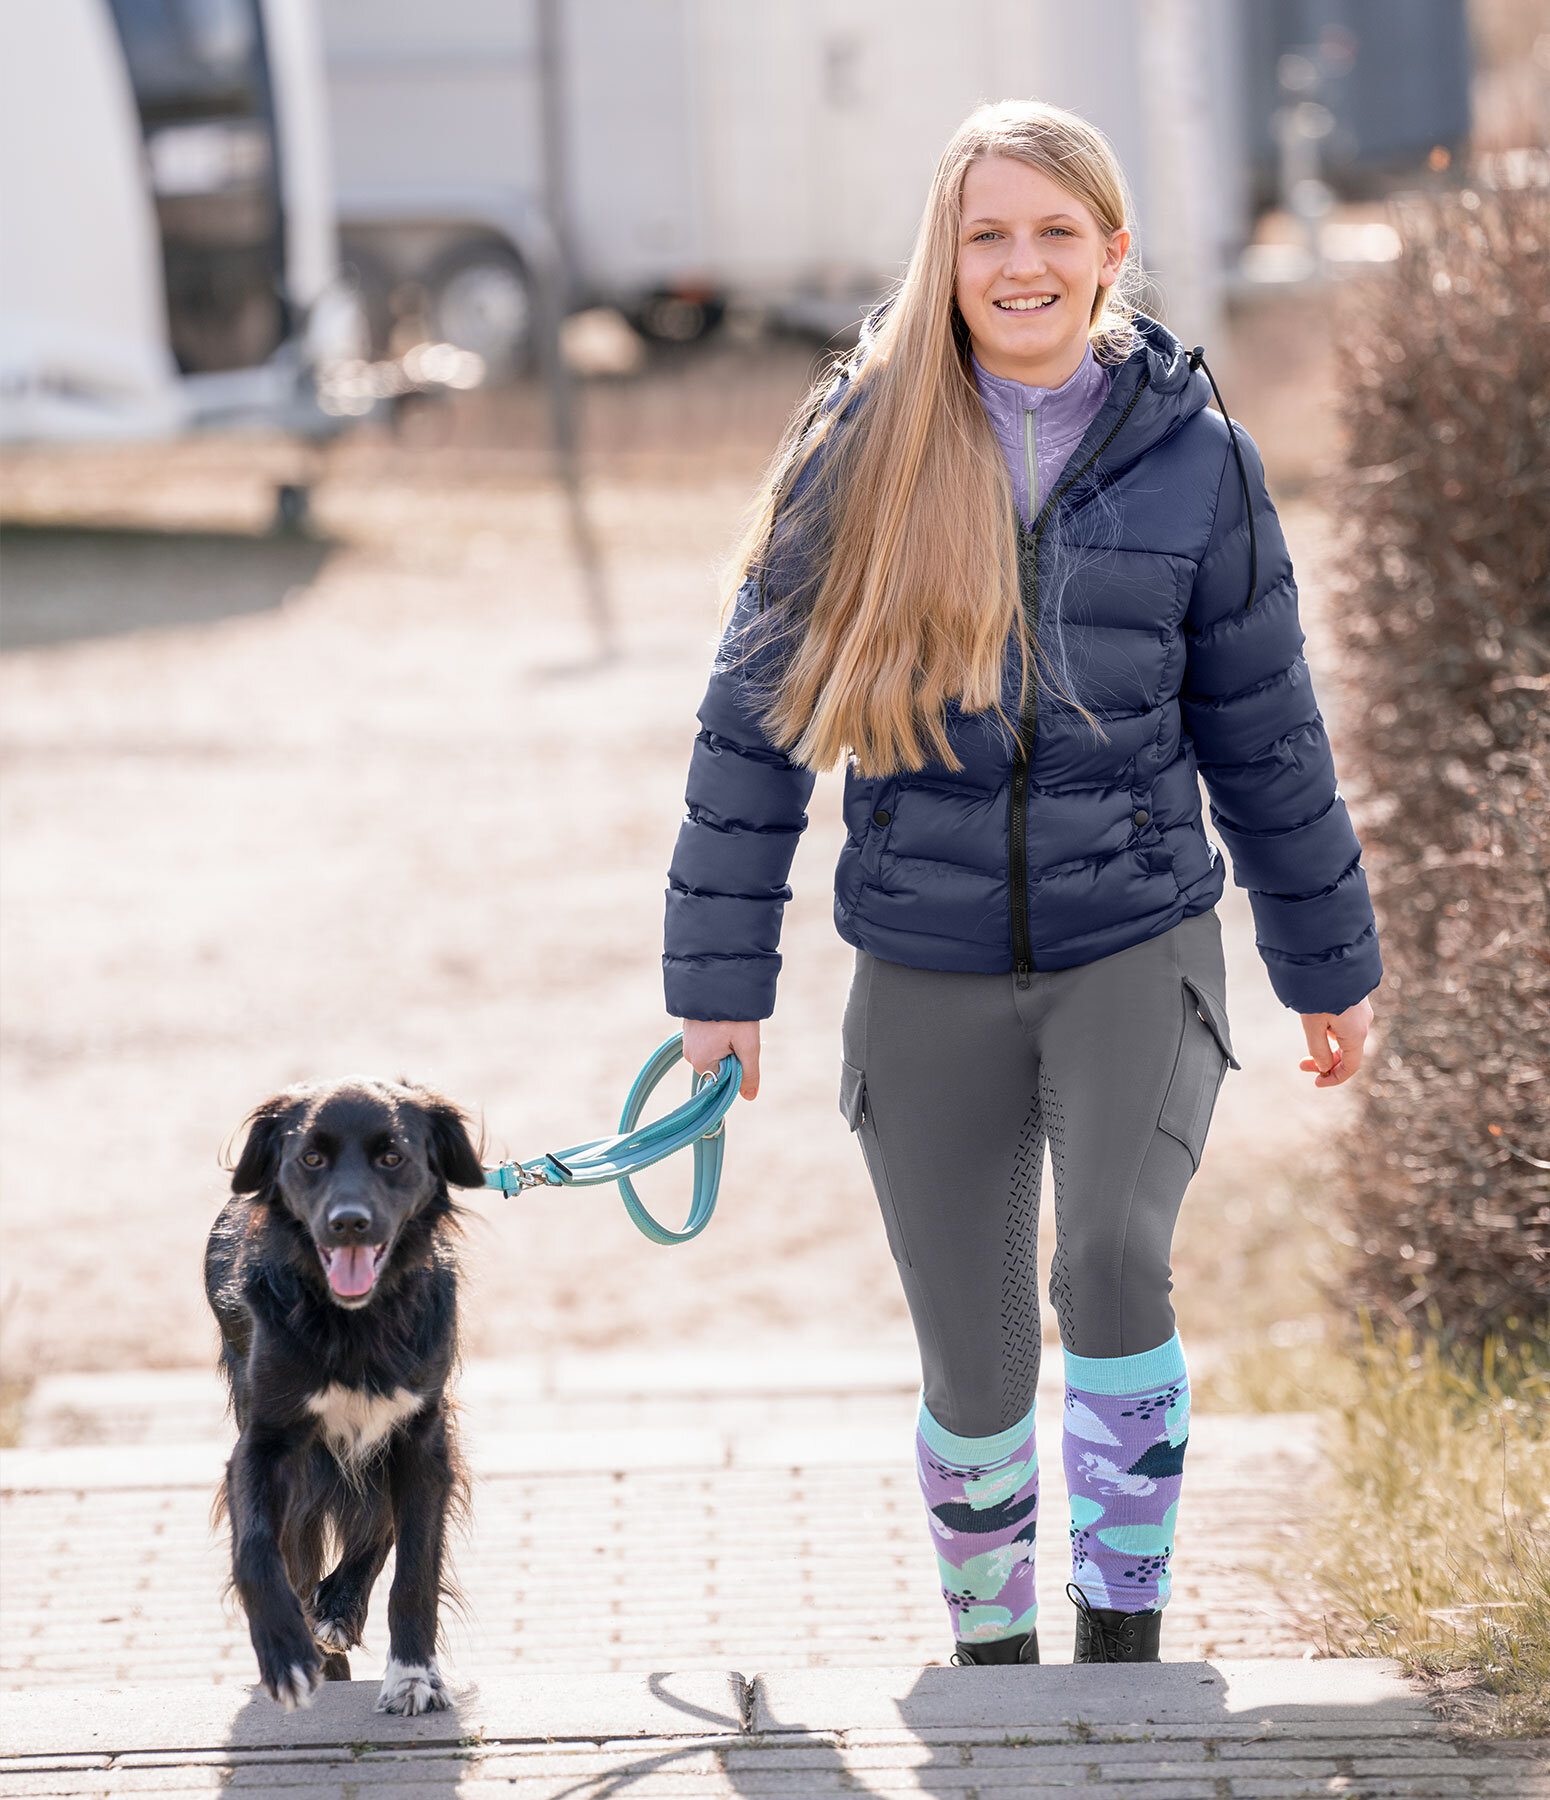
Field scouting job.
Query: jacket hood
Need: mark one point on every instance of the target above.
(1154, 391)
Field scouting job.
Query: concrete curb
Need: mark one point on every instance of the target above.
(996, 1699)
(196, 1716)
(497, 1455)
(545, 1705)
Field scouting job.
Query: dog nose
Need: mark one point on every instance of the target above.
(349, 1224)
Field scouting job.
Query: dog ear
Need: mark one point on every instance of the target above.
(259, 1162)
(453, 1153)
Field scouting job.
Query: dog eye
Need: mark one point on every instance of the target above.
(313, 1159)
(390, 1159)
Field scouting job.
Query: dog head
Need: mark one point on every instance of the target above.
(356, 1163)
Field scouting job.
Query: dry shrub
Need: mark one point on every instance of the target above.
(1445, 620)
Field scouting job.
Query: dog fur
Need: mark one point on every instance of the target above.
(333, 1276)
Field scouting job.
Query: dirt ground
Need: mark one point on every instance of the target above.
(374, 806)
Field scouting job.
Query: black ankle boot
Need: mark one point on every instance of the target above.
(1105, 1634)
(1021, 1649)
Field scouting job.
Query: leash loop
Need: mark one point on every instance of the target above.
(700, 1122)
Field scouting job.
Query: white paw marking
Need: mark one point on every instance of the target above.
(411, 1688)
(355, 1422)
(332, 1634)
(297, 1688)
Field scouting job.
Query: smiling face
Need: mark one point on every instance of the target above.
(1031, 258)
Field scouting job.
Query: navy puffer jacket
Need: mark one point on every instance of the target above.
(1071, 848)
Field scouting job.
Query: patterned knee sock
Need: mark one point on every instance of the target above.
(1126, 1428)
(982, 1499)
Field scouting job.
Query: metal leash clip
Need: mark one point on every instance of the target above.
(700, 1124)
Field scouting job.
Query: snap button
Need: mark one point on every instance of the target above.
(1141, 817)
(881, 816)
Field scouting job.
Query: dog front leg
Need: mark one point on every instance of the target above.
(338, 1608)
(421, 1479)
(257, 1487)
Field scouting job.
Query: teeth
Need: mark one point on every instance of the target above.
(1026, 305)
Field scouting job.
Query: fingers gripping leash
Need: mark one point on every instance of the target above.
(699, 1122)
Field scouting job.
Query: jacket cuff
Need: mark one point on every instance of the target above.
(1330, 982)
(734, 988)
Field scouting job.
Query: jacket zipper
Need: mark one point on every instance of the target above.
(1031, 459)
(1028, 721)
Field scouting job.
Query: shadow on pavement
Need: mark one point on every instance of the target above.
(343, 1713)
(59, 584)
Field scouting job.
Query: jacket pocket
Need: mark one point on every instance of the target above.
(858, 1116)
(1203, 1059)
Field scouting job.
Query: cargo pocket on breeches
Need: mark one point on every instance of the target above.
(1203, 1059)
(858, 1116)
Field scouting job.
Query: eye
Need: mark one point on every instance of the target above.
(313, 1159)
(390, 1159)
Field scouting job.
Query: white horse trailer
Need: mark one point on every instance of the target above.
(167, 248)
(731, 150)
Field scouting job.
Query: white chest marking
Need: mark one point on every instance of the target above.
(355, 1422)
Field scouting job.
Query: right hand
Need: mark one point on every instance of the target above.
(706, 1041)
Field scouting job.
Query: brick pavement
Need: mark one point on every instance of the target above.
(770, 1521)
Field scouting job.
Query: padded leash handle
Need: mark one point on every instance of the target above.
(700, 1122)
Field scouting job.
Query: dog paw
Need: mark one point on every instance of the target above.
(296, 1688)
(412, 1688)
(334, 1634)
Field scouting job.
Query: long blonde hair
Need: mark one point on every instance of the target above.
(920, 586)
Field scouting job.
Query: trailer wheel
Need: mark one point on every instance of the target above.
(669, 318)
(481, 300)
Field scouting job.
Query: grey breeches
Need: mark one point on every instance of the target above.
(953, 1084)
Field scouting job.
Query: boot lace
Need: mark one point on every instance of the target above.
(1113, 1643)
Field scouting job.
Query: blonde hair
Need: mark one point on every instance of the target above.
(920, 585)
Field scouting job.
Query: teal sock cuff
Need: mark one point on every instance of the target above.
(974, 1452)
(1127, 1374)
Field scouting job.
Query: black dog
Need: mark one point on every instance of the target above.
(333, 1277)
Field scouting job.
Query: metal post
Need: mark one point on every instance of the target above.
(1184, 192)
(554, 289)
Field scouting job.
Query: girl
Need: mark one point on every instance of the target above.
(1011, 567)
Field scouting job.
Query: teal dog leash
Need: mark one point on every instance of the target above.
(700, 1121)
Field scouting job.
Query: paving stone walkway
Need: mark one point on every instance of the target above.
(756, 1530)
(674, 1513)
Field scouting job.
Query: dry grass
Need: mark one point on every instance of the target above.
(1433, 1540)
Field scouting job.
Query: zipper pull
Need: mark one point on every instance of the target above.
(1023, 974)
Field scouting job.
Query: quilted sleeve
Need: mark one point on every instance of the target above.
(746, 810)
(1248, 705)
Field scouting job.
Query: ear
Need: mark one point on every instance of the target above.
(259, 1162)
(454, 1155)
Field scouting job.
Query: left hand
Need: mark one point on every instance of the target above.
(1348, 1031)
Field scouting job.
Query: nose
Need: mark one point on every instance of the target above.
(1024, 255)
(348, 1223)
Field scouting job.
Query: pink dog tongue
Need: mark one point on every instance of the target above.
(352, 1271)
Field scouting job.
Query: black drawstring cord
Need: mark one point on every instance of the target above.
(1197, 360)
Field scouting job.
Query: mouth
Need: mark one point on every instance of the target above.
(1026, 303)
(352, 1269)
